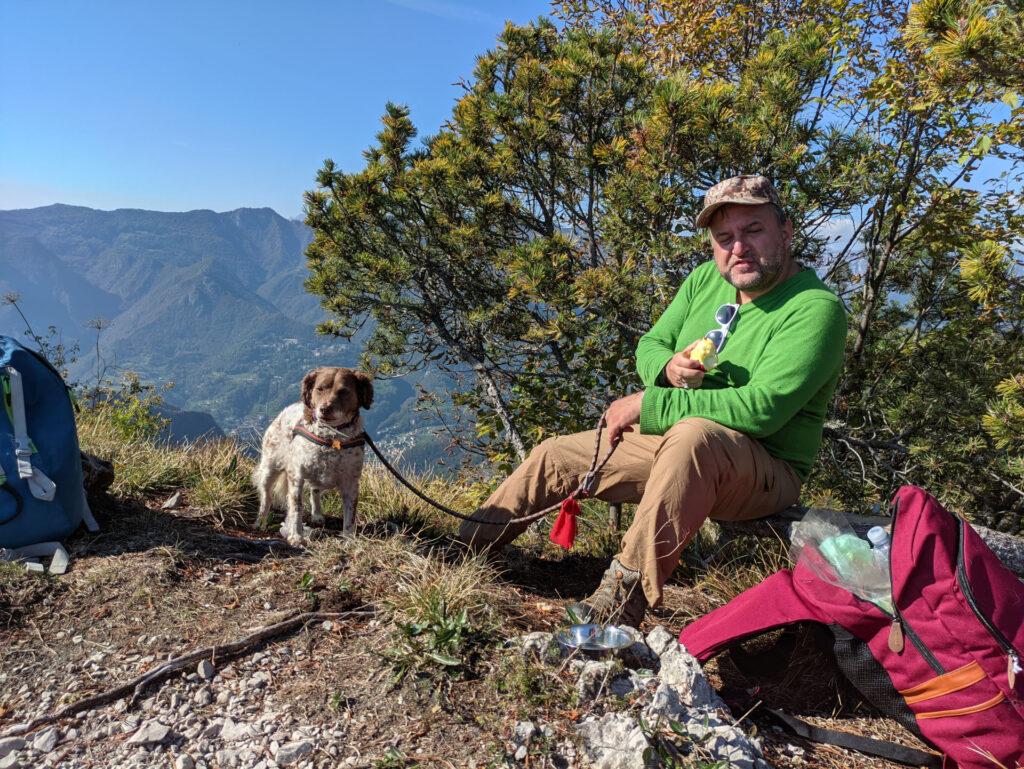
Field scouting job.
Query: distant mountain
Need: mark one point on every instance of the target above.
(213, 302)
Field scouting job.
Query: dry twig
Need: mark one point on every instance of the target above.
(136, 686)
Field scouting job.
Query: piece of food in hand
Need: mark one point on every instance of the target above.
(705, 354)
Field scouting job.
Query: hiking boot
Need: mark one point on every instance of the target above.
(618, 600)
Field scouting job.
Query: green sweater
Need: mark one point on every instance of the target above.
(776, 372)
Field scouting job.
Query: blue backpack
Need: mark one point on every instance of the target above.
(42, 499)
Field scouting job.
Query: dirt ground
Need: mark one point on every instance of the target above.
(155, 584)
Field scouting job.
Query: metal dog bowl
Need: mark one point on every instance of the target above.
(594, 638)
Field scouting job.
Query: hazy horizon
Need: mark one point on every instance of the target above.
(219, 106)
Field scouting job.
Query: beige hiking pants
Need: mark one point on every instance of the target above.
(698, 469)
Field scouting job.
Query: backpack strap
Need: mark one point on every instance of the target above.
(40, 486)
(772, 604)
(901, 754)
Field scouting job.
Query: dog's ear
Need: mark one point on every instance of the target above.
(364, 387)
(307, 389)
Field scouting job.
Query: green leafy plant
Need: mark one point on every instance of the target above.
(672, 746)
(438, 640)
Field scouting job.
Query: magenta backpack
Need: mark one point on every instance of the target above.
(946, 664)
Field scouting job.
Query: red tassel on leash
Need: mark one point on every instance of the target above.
(563, 532)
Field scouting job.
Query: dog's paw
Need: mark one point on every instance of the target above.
(293, 536)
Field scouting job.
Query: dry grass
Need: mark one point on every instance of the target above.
(218, 480)
(215, 474)
(409, 575)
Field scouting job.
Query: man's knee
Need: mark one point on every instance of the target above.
(545, 449)
(695, 440)
(695, 432)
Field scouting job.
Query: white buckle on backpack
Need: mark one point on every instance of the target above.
(40, 486)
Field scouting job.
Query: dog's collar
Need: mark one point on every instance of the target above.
(332, 443)
(337, 428)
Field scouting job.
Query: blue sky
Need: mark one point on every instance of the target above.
(219, 104)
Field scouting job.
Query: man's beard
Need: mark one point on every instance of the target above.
(765, 274)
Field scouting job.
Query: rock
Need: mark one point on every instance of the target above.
(205, 670)
(594, 679)
(11, 744)
(223, 696)
(638, 655)
(212, 730)
(538, 645)
(184, 762)
(203, 697)
(680, 670)
(97, 474)
(660, 640)
(726, 742)
(46, 740)
(521, 752)
(233, 732)
(227, 757)
(613, 741)
(667, 703)
(173, 502)
(11, 761)
(291, 752)
(625, 684)
(523, 732)
(150, 733)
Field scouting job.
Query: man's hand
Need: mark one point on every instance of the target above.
(622, 415)
(680, 371)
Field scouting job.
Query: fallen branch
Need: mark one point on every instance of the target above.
(255, 542)
(136, 686)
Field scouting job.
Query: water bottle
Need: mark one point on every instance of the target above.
(879, 539)
(860, 568)
(880, 542)
(849, 555)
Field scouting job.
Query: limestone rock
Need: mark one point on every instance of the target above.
(150, 733)
(594, 679)
(613, 741)
(46, 740)
(660, 640)
(291, 752)
(205, 670)
(11, 744)
(537, 645)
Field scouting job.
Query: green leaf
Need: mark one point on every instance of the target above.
(444, 659)
(1011, 99)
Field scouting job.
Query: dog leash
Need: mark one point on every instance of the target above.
(563, 531)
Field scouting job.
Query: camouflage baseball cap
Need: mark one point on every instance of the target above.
(748, 190)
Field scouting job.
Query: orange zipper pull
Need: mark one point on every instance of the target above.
(896, 637)
(1012, 668)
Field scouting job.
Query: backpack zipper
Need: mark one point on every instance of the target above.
(899, 625)
(1012, 658)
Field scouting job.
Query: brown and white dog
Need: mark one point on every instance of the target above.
(315, 443)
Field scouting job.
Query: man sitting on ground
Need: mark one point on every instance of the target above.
(732, 443)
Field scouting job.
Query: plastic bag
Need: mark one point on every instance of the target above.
(825, 543)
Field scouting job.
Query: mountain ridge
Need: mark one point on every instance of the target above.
(213, 302)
